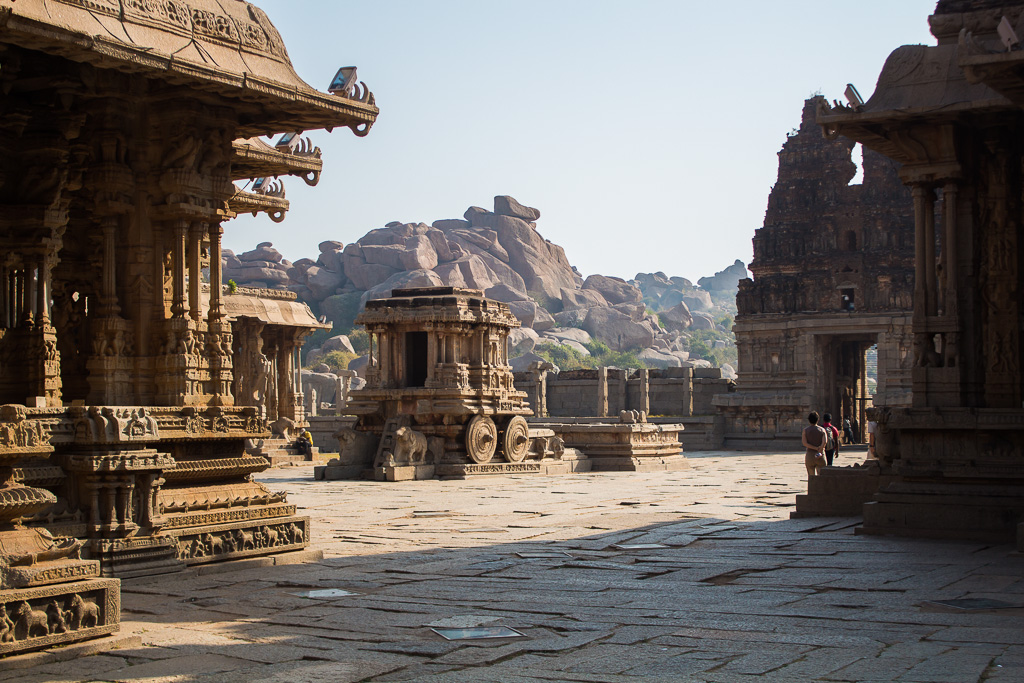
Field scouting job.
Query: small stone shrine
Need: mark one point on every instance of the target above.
(439, 398)
(952, 463)
(128, 389)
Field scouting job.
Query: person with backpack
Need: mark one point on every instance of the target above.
(813, 439)
(831, 438)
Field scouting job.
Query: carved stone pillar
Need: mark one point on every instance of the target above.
(216, 286)
(178, 269)
(602, 392)
(195, 248)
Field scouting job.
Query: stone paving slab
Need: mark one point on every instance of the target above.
(739, 594)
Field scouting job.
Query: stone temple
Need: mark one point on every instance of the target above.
(130, 380)
(951, 114)
(833, 278)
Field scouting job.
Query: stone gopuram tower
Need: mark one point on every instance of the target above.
(833, 278)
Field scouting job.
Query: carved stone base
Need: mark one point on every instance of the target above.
(403, 472)
(240, 539)
(138, 556)
(461, 470)
(572, 461)
(331, 472)
(840, 491)
(34, 618)
(988, 513)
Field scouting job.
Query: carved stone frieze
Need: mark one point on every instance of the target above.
(37, 617)
(245, 539)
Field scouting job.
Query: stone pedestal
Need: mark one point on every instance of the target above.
(623, 447)
(841, 491)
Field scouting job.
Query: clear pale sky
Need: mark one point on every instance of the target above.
(646, 132)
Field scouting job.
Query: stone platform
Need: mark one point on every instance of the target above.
(736, 593)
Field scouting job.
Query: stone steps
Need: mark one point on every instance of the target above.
(281, 452)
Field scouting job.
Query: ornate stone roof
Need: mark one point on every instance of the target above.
(227, 46)
(254, 158)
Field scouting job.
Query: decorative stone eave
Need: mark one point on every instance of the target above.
(253, 158)
(230, 49)
(917, 83)
(1001, 71)
(251, 202)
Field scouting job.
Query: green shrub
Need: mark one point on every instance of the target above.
(338, 360)
(360, 340)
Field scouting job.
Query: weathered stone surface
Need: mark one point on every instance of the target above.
(573, 299)
(265, 252)
(677, 318)
(725, 280)
(697, 301)
(368, 275)
(337, 343)
(419, 253)
(229, 260)
(572, 318)
(702, 321)
(522, 340)
(269, 275)
(322, 282)
(440, 243)
(617, 330)
(614, 290)
(659, 359)
(504, 293)
(390, 255)
(507, 206)
(402, 280)
(522, 363)
(330, 255)
(569, 333)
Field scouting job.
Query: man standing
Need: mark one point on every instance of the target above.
(831, 438)
(813, 439)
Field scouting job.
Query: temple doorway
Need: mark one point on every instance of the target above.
(845, 390)
(415, 359)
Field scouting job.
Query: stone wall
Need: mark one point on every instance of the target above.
(672, 392)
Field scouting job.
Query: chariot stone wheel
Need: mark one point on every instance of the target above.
(481, 439)
(516, 439)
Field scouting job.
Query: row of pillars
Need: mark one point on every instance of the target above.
(26, 293)
(186, 258)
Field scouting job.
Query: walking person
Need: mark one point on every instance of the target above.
(847, 430)
(831, 438)
(813, 439)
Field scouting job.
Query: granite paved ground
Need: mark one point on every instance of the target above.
(738, 592)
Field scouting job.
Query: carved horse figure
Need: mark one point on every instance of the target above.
(32, 622)
(85, 613)
(271, 537)
(214, 545)
(244, 541)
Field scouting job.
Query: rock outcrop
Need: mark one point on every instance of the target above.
(502, 253)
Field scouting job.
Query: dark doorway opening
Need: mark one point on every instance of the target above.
(847, 299)
(415, 359)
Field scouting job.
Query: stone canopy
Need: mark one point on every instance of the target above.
(229, 47)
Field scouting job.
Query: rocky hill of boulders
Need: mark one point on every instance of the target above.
(659, 320)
